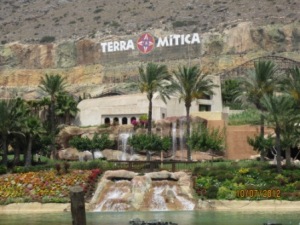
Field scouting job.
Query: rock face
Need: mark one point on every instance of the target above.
(87, 69)
(124, 190)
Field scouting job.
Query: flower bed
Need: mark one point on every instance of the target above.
(45, 186)
(253, 183)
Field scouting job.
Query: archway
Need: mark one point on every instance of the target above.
(107, 120)
(124, 120)
(116, 121)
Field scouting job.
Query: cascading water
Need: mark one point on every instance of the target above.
(158, 191)
(174, 139)
(181, 137)
(166, 197)
(158, 202)
(123, 138)
(114, 198)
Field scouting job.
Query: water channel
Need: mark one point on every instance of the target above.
(180, 217)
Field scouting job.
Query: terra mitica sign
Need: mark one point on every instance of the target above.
(147, 42)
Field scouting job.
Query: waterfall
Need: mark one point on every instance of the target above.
(174, 139)
(124, 190)
(123, 138)
(181, 137)
(114, 198)
(158, 202)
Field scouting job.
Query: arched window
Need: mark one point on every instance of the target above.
(132, 119)
(124, 120)
(116, 121)
(107, 120)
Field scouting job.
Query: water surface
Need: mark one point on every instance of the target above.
(182, 218)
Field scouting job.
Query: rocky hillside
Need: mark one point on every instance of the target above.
(66, 36)
(31, 21)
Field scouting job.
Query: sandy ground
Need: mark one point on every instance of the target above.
(218, 205)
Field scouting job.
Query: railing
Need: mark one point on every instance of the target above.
(150, 166)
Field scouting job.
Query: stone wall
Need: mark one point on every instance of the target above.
(237, 146)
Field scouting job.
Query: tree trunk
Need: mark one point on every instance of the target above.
(52, 117)
(93, 154)
(288, 157)
(17, 155)
(188, 125)
(262, 134)
(29, 152)
(150, 114)
(278, 149)
(4, 146)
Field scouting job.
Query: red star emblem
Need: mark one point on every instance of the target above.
(146, 43)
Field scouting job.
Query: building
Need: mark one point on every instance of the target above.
(122, 109)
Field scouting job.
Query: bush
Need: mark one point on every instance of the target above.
(97, 142)
(141, 142)
(47, 39)
(212, 192)
(249, 116)
(225, 193)
(205, 139)
(3, 170)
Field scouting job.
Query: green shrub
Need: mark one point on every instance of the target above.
(225, 193)
(142, 142)
(212, 192)
(3, 170)
(97, 142)
(249, 116)
(205, 139)
(47, 39)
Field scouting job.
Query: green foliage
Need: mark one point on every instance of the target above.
(94, 164)
(141, 142)
(80, 143)
(226, 179)
(3, 170)
(225, 193)
(230, 90)
(260, 143)
(47, 39)
(143, 118)
(212, 192)
(101, 142)
(205, 139)
(248, 116)
(96, 142)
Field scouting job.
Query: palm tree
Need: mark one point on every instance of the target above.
(280, 112)
(259, 82)
(32, 129)
(155, 78)
(66, 107)
(291, 84)
(9, 124)
(190, 84)
(52, 85)
(17, 138)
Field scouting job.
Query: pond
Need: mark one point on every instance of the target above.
(181, 217)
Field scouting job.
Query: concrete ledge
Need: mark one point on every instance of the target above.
(209, 205)
(34, 207)
(244, 205)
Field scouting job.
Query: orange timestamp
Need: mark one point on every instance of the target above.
(254, 193)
